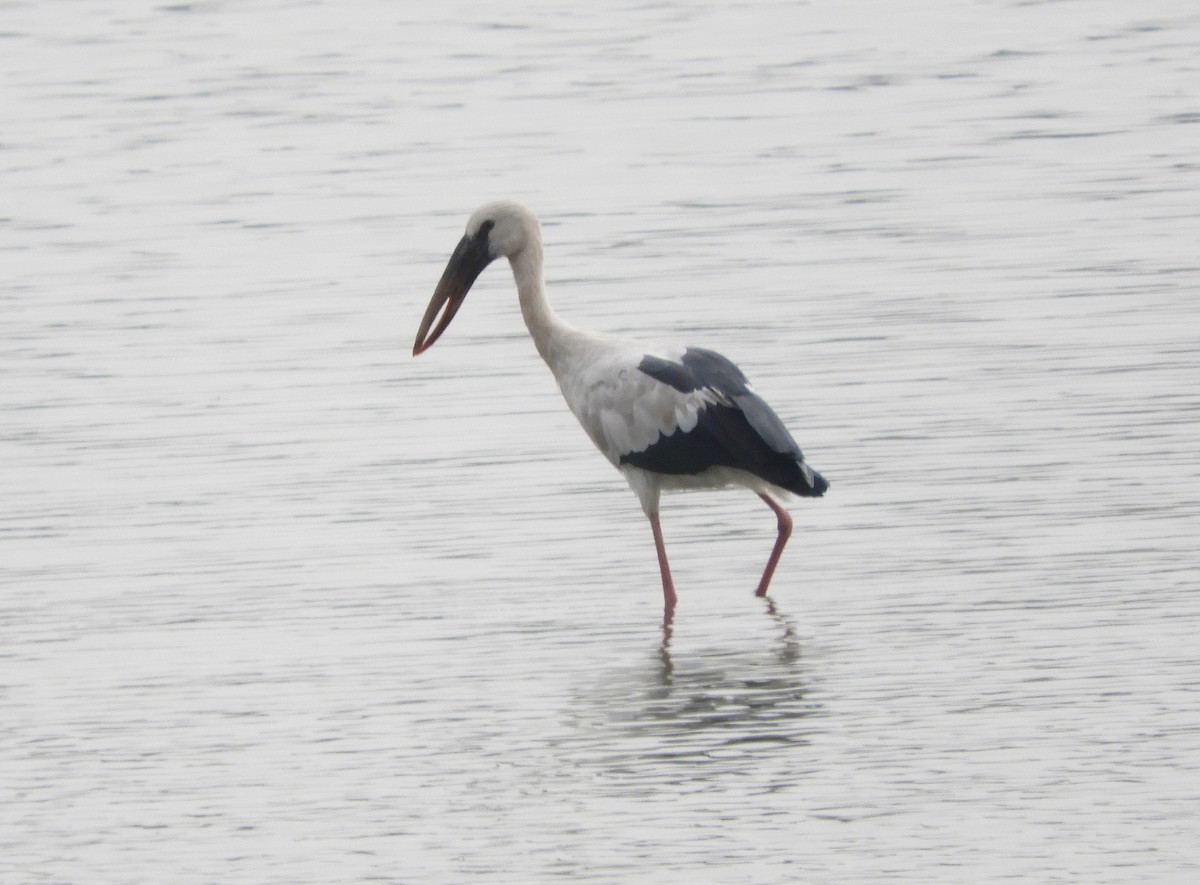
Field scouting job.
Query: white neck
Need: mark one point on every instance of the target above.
(548, 330)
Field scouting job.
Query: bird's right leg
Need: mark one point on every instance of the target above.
(668, 585)
(784, 523)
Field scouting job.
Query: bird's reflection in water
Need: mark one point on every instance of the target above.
(730, 706)
(787, 650)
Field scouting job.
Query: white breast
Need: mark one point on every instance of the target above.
(621, 408)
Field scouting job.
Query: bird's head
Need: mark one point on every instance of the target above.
(501, 229)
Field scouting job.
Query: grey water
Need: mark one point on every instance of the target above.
(279, 603)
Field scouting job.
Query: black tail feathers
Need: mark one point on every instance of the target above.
(810, 484)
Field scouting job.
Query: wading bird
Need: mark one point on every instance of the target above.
(667, 417)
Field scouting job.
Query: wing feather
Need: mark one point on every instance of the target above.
(682, 412)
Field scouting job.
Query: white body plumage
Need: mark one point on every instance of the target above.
(666, 417)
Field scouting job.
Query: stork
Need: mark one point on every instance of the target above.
(668, 418)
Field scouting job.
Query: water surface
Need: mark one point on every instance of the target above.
(281, 604)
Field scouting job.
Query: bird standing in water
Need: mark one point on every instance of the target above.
(667, 417)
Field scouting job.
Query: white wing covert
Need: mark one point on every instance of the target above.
(621, 408)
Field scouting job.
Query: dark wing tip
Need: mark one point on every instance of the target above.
(818, 486)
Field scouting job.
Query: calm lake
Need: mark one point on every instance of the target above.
(281, 604)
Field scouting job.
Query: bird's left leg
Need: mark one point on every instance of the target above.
(665, 569)
(785, 532)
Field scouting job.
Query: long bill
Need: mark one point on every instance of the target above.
(467, 262)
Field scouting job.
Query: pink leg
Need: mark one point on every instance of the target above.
(668, 584)
(785, 532)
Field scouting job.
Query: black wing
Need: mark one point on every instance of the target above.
(736, 429)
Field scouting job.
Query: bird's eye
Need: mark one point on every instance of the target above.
(485, 228)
